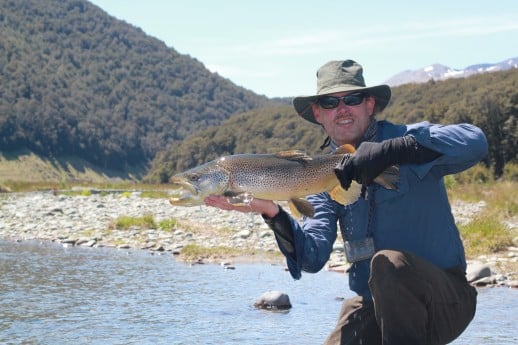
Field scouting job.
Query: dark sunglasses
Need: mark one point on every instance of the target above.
(330, 102)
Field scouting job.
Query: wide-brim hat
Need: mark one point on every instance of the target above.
(340, 76)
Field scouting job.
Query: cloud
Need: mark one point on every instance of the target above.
(330, 40)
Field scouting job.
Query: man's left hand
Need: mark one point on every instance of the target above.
(364, 165)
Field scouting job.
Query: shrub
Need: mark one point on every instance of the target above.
(510, 172)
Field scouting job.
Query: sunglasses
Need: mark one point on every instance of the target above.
(331, 102)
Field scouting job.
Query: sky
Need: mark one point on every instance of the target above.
(274, 48)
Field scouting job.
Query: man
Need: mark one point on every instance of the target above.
(407, 258)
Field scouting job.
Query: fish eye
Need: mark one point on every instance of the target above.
(194, 177)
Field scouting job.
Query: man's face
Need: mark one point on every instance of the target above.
(345, 124)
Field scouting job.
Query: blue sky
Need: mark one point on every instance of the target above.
(275, 47)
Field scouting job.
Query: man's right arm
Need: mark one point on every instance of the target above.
(281, 226)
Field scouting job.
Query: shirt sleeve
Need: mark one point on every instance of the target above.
(461, 146)
(312, 240)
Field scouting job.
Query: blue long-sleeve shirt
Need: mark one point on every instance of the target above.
(416, 218)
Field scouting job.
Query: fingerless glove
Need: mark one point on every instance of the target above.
(371, 159)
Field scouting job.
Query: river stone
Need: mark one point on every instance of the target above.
(243, 234)
(273, 300)
(477, 271)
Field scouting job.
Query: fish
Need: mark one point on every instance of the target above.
(283, 176)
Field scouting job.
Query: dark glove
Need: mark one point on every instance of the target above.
(371, 159)
(281, 226)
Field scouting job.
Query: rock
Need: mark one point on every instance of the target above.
(477, 271)
(71, 241)
(4, 189)
(243, 234)
(484, 281)
(89, 243)
(265, 234)
(338, 267)
(228, 266)
(273, 300)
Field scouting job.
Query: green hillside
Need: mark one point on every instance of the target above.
(77, 82)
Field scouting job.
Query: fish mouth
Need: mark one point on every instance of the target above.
(188, 194)
(184, 185)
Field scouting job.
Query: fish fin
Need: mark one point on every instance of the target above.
(389, 178)
(296, 214)
(301, 207)
(230, 194)
(346, 148)
(293, 155)
(346, 197)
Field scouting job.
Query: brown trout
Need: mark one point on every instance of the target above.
(283, 176)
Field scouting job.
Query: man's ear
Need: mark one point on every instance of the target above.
(316, 111)
(371, 103)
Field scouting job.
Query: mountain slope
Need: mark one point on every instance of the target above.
(441, 72)
(78, 82)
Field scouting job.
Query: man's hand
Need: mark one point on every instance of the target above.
(371, 159)
(363, 166)
(265, 207)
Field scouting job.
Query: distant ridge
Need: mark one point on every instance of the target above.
(442, 72)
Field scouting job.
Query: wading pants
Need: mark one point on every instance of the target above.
(414, 302)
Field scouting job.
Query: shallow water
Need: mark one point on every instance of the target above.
(55, 295)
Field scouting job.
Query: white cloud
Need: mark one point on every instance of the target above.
(330, 40)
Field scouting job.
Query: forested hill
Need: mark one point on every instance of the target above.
(76, 81)
(489, 101)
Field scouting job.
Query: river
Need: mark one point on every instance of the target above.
(51, 294)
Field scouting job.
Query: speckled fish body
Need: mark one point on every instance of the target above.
(286, 175)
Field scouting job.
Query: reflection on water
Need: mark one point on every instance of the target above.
(54, 295)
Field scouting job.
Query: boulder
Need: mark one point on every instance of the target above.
(477, 271)
(273, 300)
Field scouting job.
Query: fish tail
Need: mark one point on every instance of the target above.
(346, 197)
(344, 149)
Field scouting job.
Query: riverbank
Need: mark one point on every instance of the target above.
(225, 237)
(90, 219)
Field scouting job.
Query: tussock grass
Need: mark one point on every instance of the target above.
(155, 194)
(501, 197)
(82, 192)
(194, 252)
(487, 232)
(126, 222)
(485, 235)
(168, 224)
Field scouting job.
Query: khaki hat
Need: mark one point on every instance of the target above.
(340, 76)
